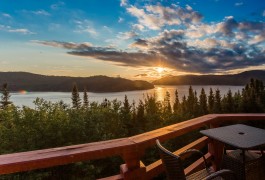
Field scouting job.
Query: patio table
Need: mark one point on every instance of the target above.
(242, 137)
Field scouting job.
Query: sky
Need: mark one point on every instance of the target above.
(134, 39)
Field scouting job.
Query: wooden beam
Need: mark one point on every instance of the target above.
(198, 165)
(30, 160)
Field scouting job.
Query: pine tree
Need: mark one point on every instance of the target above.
(85, 98)
(211, 101)
(76, 101)
(167, 105)
(217, 102)
(227, 103)
(140, 116)
(203, 103)
(126, 116)
(5, 97)
(176, 105)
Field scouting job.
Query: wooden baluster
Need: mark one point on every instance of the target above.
(133, 167)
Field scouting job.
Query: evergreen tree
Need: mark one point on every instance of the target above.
(5, 97)
(203, 103)
(253, 97)
(227, 103)
(176, 105)
(237, 98)
(76, 101)
(211, 101)
(217, 102)
(140, 116)
(192, 103)
(85, 98)
(184, 109)
(126, 116)
(167, 105)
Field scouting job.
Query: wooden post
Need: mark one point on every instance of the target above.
(134, 168)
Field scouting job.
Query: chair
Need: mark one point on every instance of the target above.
(246, 164)
(175, 171)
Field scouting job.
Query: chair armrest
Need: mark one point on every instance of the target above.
(224, 173)
(194, 151)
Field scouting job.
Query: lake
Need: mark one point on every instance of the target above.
(27, 98)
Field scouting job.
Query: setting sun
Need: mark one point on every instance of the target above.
(159, 70)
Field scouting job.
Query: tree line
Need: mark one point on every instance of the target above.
(58, 124)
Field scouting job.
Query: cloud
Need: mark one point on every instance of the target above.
(155, 17)
(141, 75)
(41, 12)
(15, 30)
(263, 14)
(120, 20)
(138, 27)
(239, 4)
(6, 15)
(127, 35)
(227, 27)
(21, 31)
(187, 44)
(85, 26)
(68, 45)
(57, 5)
(140, 43)
(123, 3)
(259, 38)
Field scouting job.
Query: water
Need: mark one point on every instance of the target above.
(26, 99)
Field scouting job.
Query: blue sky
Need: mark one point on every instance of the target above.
(136, 39)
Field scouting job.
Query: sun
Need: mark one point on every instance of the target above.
(159, 70)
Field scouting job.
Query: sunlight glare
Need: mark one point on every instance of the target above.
(159, 70)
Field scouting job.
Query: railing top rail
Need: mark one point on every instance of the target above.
(64, 155)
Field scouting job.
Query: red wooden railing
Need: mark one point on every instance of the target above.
(131, 149)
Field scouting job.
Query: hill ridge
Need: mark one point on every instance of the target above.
(35, 82)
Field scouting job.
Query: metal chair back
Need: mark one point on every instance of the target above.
(172, 163)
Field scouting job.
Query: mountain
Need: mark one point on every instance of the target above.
(34, 82)
(234, 79)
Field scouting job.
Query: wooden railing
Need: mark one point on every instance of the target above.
(131, 149)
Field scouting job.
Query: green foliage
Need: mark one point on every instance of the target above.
(76, 101)
(203, 103)
(85, 99)
(5, 97)
(57, 124)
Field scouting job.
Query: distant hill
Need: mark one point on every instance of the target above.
(235, 79)
(34, 82)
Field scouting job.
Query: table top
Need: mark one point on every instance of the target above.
(239, 135)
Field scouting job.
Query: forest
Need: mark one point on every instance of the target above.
(58, 124)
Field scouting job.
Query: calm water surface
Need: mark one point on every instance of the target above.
(27, 99)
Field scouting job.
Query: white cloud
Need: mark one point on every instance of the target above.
(57, 5)
(258, 39)
(207, 43)
(154, 17)
(108, 29)
(188, 7)
(239, 4)
(6, 15)
(41, 12)
(21, 31)
(123, 3)
(15, 30)
(127, 35)
(120, 20)
(138, 27)
(85, 26)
